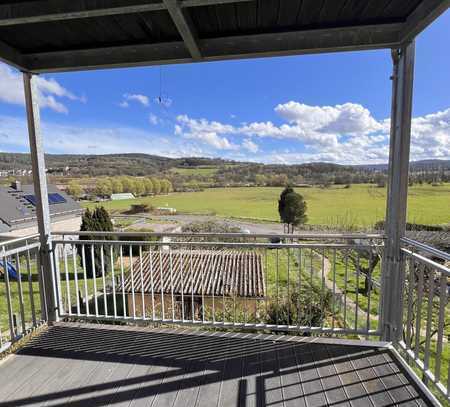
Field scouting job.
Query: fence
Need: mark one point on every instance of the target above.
(426, 311)
(21, 296)
(301, 283)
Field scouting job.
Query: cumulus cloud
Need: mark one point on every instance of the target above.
(207, 132)
(346, 133)
(50, 92)
(250, 146)
(136, 97)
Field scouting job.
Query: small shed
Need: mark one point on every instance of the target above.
(195, 279)
(122, 196)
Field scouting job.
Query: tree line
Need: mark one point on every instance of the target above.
(105, 187)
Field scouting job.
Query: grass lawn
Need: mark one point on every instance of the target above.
(360, 205)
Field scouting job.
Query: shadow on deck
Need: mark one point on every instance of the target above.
(99, 365)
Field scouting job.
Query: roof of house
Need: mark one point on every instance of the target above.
(45, 36)
(18, 206)
(198, 272)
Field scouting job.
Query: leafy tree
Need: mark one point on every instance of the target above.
(156, 186)
(116, 184)
(139, 187)
(74, 189)
(166, 186)
(148, 186)
(103, 187)
(127, 184)
(97, 220)
(292, 208)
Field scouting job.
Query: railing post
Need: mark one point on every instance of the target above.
(395, 225)
(41, 193)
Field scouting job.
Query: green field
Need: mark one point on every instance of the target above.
(205, 171)
(360, 205)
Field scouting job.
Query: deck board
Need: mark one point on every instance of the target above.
(99, 365)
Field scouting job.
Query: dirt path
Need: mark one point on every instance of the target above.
(339, 293)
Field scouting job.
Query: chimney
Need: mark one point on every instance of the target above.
(17, 185)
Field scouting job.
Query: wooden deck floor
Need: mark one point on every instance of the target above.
(95, 365)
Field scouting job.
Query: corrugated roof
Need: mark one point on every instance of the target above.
(198, 272)
(44, 35)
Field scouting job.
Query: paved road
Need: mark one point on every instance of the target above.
(159, 223)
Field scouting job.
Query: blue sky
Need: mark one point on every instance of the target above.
(330, 107)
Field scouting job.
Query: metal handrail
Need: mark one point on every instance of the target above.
(230, 235)
(426, 248)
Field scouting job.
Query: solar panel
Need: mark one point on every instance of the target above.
(56, 198)
(31, 199)
(53, 198)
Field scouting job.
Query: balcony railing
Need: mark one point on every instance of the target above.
(308, 284)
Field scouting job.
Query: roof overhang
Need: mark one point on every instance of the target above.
(55, 36)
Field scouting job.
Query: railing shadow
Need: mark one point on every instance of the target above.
(238, 368)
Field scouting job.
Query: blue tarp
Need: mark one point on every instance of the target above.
(12, 273)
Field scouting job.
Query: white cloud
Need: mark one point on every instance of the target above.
(250, 146)
(11, 90)
(136, 97)
(153, 119)
(346, 133)
(205, 131)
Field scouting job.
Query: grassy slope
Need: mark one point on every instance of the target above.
(359, 205)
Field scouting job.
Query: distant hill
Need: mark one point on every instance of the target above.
(145, 164)
(413, 165)
(108, 164)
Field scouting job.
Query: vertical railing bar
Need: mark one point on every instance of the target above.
(102, 260)
(440, 328)
(345, 287)
(369, 281)
(266, 263)
(410, 302)
(141, 272)
(223, 286)
(334, 292)
(94, 277)
(182, 284)
(133, 295)
(66, 273)
(19, 287)
(30, 288)
(8, 298)
(322, 291)
(419, 311)
(202, 262)
(161, 279)
(86, 293)
(212, 284)
(277, 284)
(299, 286)
(152, 287)
(122, 278)
(357, 290)
(113, 280)
(75, 276)
(171, 282)
(311, 282)
(192, 284)
(288, 288)
(429, 322)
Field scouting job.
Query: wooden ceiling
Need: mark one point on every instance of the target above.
(62, 35)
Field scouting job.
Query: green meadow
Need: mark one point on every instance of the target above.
(360, 205)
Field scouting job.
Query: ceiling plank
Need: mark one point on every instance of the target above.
(185, 26)
(52, 10)
(424, 14)
(234, 47)
(11, 56)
